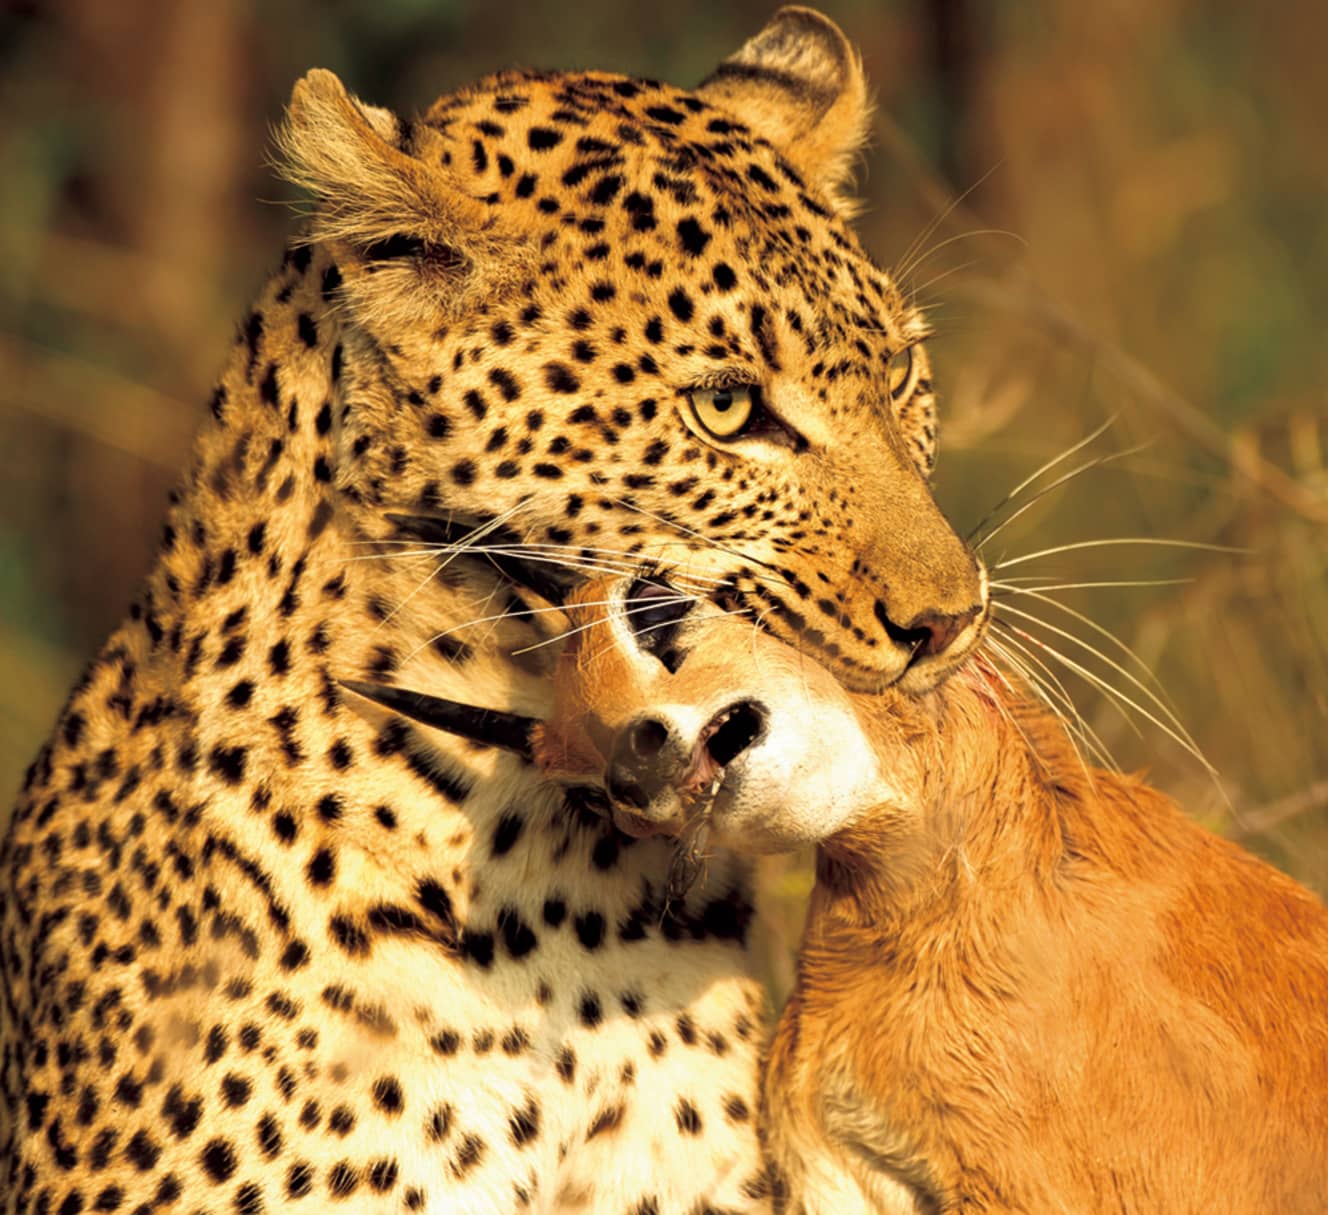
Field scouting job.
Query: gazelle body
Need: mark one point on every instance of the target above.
(1025, 985)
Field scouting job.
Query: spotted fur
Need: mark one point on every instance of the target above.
(266, 945)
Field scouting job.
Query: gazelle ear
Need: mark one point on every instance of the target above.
(799, 84)
(397, 223)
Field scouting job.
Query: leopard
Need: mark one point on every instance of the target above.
(272, 940)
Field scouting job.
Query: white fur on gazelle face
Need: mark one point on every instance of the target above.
(785, 794)
(805, 768)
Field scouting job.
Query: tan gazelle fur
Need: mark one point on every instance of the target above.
(1025, 985)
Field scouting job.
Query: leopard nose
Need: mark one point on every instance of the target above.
(930, 633)
(938, 632)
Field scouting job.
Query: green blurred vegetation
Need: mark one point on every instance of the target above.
(1142, 233)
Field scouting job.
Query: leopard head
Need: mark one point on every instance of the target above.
(631, 324)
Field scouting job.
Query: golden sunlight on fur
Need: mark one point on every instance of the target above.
(1025, 985)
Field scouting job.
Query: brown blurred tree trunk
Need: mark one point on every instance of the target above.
(167, 77)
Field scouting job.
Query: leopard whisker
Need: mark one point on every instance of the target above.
(1027, 643)
(543, 553)
(687, 531)
(1038, 472)
(496, 616)
(943, 275)
(1043, 695)
(1042, 582)
(419, 586)
(1116, 696)
(503, 561)
(400, 555)
(1043, 680)
(664, 566)
(635, 559)
(441, 531)
(1117, 540)
(1055, 695)
(665, 579)
(424, 527)
(653, 605)
(972, 233)
(1102, 632)
(652, 628)
(608, 645)
(906, 262)
(1054, 485)
(996, 655)
(502, 549)
(502, 554)
(1161, 705)
(479, 620)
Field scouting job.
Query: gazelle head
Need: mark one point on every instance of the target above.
(676, 712)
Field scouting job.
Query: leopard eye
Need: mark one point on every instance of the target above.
(899, 372)
(726, 412)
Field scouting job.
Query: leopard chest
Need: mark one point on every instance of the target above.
(333, 1023)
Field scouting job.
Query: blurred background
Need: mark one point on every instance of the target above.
(1111, 210)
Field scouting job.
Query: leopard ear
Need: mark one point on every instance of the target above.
(410, 242)
(799, 84)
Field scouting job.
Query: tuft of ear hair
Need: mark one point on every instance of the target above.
(799, 84)
(398, 224)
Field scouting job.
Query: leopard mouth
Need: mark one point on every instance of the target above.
(919, 659)
(714, 752)
(771, 615)
(658, 611)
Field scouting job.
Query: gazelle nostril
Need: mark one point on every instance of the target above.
(648, 737)
(734, 731)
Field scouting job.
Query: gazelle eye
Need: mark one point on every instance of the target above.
(726, 412)
(899, 373)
